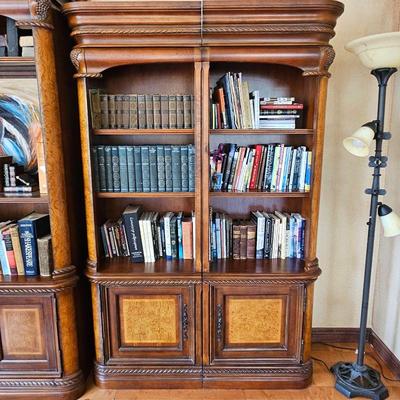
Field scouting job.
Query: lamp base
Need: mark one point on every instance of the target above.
(353, 380)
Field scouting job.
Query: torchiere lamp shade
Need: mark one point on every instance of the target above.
(377, 51)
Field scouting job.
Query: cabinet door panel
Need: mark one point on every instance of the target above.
(151, 325)
(27, 332)
(255, 324)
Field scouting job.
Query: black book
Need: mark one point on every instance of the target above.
(116, 177)
(144, 151)
(138, 168)
(95, 169)
(153, 168)
(130, 160)
(184, 169)
(130, 218)
(168, 168)
(108, 168)
(176, 169)
(174, 237)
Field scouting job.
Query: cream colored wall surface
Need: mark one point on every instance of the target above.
(352, 101)
(386, 308)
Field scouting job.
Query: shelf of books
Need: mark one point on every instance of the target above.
(257, 171)
(143, 140)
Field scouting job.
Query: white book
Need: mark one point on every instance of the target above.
(259, 219)
(143, 237)
(250, 169)
(167, 233)
(240, 176)
(276, 237)
(282, 234)
(303, 168)
(234, 163)
(256, 95)
(26, 41)
(149, 237)
(253, 121)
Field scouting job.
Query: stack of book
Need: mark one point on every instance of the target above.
(233, 106)
(141, 111)
(148, 236)
(265, 235)
(14, 181)
(26, 44)
(157, 168)
(25, 246)
(272, 168)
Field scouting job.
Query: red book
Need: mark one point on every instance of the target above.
(256, 166)
(242, 153)
(9, 250)
(294, 106)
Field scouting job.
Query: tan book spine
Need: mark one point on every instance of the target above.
(133, 111)
(149, 111)
(45, 254)
(164, 112)
(111, 112)
(251, 241)
(179, 112)
(187, 238)
(172, 112)
(187, 112)
(141, 111)
(125, 112)
(157, 111)
(17, 249)
(243, 241)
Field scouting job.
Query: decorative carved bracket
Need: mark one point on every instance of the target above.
(78, 60)
(326, 60)
(41, 17)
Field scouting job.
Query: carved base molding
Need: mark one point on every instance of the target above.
(110, 377)
(67, 388)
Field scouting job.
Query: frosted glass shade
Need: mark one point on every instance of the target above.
(359, 142)
(377, 51)
(390, 221)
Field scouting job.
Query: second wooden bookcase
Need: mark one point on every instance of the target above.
(226, 323)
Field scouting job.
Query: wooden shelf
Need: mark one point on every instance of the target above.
(25, 280)
(261, 131)
(259, 194)
(276, 266)
(36, 198)
(133, 132)
(123, 266)
(17, 67)
(119, 195)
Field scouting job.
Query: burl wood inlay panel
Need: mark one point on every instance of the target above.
(21, 332)
(151, 321)
(254, 320)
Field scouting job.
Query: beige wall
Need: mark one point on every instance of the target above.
(352, 100)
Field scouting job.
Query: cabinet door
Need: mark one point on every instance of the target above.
(255, 324)
(151, 325)
(28, 341)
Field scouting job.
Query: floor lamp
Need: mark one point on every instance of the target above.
(381, 54)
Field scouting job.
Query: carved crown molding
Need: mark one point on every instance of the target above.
(252, 282)
(40, 12)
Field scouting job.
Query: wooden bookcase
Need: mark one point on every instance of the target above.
(235, 324)
(39, 340)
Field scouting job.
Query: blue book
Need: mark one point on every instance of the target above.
(168, 168)
(179, 231)
(184, 169)
(176, 169)
(30, 228)
(161, 168)
(123, 168)
(153, 168)
(138, 168)
(192, 168)
(144, 151)
(284, 179)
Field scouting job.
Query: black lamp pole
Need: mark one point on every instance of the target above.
(358, 379)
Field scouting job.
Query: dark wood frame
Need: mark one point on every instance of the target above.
(293, 36)
(55, 296)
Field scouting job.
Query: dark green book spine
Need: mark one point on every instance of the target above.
(95, 169)
(174, 244)
(176, 169)
(144, 151)
(109, 172)
(153, 168)
(168, 168)
(116, 178)
(138, 168)
(102, 168)
(161, 168)
(130, 160)
(123, 168)
(192, 168)
(184, 169)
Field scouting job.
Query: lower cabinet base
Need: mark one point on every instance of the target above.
(117, 377)
(66, 388)
(282, 377)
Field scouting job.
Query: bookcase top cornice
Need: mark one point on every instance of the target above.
(191, 23)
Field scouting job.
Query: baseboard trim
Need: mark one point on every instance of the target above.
(350, 335)
(338, 335)
(385, 354)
